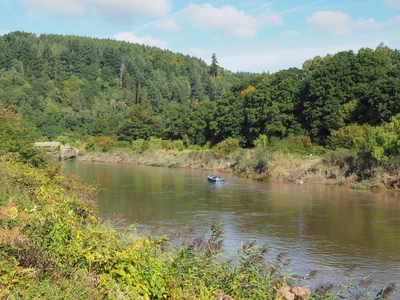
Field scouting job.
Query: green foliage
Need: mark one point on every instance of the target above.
(348, 137)
(144, 146)
(261, 141)
(380, 141)
(139, 123)
(69, 83)
(226, 147)
(177, 120)
(229, 118)
(156, 143)
(124, 144)
(78, 86)
(53, 246)
(327, 89)
(101, 143)
(214, 65)
(137, 144)
(15, 139)
(296, 144)
(178, 144)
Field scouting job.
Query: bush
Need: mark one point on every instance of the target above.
(156, 143)
(100, 143)
(168, 145)
(261, 141)
(137, 144)
(348, 137)
(124, 144)
(16, 140)
(178, 144)
(226, 147)
(296, 144)
(145, 146)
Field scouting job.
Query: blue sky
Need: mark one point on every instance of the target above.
(250, 36)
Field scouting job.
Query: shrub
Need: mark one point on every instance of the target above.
(226, 147)
(156, 143)
(348, 137)
(16, 140)
(124, 144)
(168, 145)
(145, 146)
(178, 144)
(261, 141)
(137, 144)
(100, 143)
(293, 144)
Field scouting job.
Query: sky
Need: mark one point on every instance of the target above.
(246, 36)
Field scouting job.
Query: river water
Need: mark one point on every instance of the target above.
(335, 230)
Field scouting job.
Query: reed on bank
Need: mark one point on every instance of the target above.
(349, 168)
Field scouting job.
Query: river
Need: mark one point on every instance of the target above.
(331, 229)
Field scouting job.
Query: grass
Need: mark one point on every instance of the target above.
(347, 168)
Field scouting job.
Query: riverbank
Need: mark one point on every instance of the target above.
(54, 246)
(346, 168)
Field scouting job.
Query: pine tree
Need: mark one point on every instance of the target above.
(214, 65)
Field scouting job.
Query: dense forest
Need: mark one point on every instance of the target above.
(69, 84)
(76, 87)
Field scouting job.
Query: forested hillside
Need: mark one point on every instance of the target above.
(326, 95)
(66, 86)
(63, 84)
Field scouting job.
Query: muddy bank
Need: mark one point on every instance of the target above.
(346, 168)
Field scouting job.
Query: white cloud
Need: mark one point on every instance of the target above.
(394, 21)
(370, 25)
(3, 31)
(267, 19)
(227, 20)
(116, 9)
(340, 24)
(275, 60)
(146, 40)
(108, 9)
(167, 25)
(334, 23)
(73, 8)
(290, 33)
(392, 3)
(200, 52)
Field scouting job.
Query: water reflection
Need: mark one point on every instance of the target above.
(322, 227)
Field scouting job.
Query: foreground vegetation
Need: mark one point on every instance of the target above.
(53, 246)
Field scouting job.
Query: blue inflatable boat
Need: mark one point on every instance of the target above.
(215, 178)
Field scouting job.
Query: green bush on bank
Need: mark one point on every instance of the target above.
(381, 142)
(296, 144)
(100, 143)
(16, 140)
(226, 147)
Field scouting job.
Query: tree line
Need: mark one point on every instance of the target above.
(67, 85)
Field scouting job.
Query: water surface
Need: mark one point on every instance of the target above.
(331, 229)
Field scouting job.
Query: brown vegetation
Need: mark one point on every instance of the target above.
(346, 168)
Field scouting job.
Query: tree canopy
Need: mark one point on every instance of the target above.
(79, 86)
